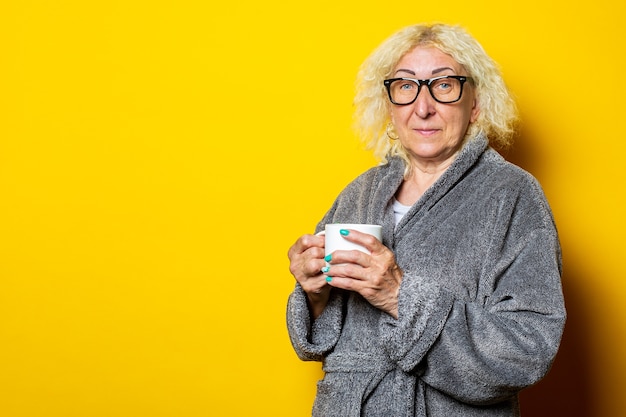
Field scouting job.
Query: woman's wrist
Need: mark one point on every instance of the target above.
(317, 302)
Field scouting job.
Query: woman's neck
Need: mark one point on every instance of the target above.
(422, 176)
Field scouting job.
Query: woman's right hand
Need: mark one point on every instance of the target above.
(306, 258)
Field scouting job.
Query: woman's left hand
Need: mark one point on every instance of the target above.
(376, 277)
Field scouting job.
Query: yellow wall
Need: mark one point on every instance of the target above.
(158, 158)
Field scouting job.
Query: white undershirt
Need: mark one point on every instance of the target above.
(399, 210)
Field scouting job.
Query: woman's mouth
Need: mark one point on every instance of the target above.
(426, 132)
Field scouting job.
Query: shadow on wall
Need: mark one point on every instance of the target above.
(566, 390)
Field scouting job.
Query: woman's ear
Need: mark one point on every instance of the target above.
(475, 110)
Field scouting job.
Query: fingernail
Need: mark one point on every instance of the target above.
(344, 232)
(325, 269)
(328, 279)
(328, 257)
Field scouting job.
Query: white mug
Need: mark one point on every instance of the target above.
(335, 241)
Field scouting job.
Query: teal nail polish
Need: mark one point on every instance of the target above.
(328, 257)
(328, 279)
(344, 232)
(325, 269)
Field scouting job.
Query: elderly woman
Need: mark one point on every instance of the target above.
(460, 306)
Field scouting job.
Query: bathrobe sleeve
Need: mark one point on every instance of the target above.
(313, 339)
(484, 348)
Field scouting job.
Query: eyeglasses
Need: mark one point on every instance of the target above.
(446, 89)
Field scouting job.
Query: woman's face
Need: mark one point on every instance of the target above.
(432, 132)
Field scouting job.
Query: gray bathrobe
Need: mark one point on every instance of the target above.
(481, 308)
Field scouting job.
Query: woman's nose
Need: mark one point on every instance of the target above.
(424, 104)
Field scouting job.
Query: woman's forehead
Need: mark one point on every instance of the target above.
(427, 58)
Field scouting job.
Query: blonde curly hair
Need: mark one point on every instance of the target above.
(497, 118)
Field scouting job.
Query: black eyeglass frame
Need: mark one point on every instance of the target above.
(462, 79)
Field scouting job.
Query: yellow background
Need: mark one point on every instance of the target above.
(158, 158)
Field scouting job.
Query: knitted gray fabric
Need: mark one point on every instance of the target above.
(481, 309)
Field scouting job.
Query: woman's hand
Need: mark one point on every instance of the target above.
(306, 258)
(376, 277)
